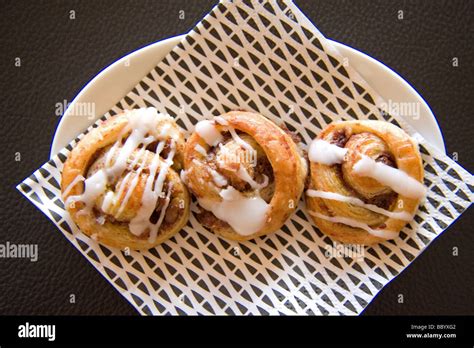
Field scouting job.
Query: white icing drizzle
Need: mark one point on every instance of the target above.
(208, 131)
(218, 179)
(396, 179)
(94, 187)
(239, 140)
(223, 154)
(141, 155)
(385, 234)
(121, 190)
(244, 175)
(111, 153)
(200, 149)
(221, 120)
(246, 215)
(73, 183)
(228, 156)
(230, 194)
(403, 215)
(154, 231)
(108, 201)
(165, 130)
(100, 220)
(321, 151)
(153, 189)
(142, 123)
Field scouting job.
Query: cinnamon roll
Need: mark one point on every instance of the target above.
(121, 185)
(365, 181)
(246, 173)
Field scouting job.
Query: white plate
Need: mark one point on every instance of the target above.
(114, 82)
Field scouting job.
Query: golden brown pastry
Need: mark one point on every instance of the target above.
(366, 181)
(246, 173)
(120, 183)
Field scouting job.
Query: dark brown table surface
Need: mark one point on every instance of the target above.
(59, 56)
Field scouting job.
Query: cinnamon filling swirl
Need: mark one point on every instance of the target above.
(240, 166)
(365, 185)
(120, 182)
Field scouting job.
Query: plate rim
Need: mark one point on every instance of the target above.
(55, 148)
